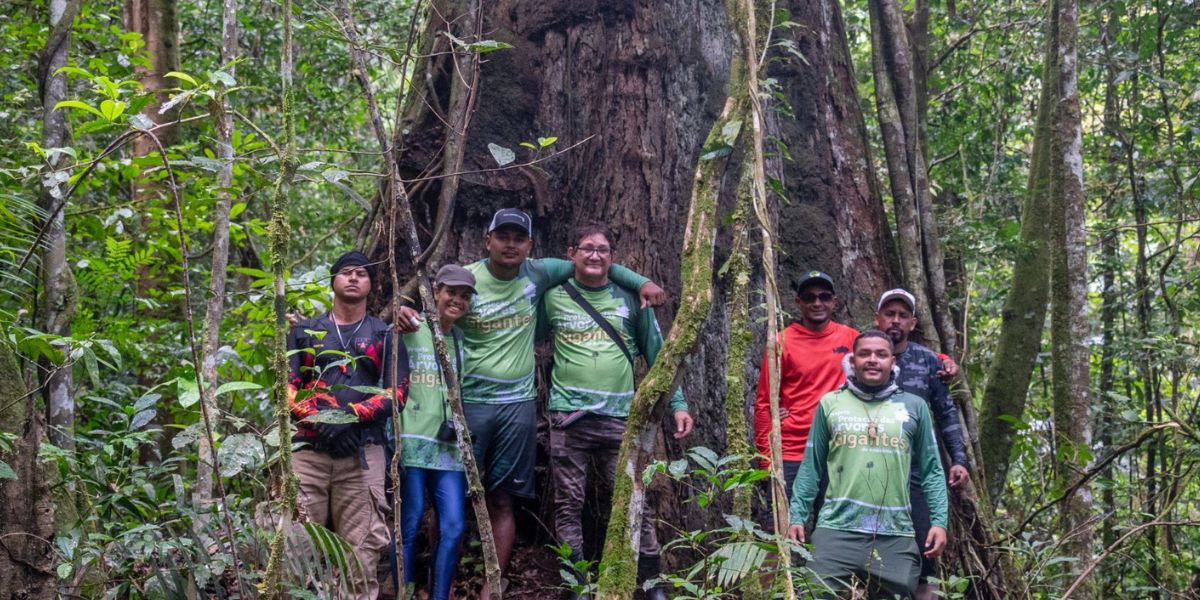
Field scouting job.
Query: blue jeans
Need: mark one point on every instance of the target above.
(449, 490)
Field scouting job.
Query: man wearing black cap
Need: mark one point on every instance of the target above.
(810, 366)
(498, 370)
(918, 375)
(341, 470)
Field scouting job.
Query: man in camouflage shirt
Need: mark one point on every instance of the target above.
(918, 375)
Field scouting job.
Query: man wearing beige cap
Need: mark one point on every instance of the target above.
(918, 368)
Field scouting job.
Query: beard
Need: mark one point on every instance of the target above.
(897, 335)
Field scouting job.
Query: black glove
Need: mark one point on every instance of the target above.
(339, 439)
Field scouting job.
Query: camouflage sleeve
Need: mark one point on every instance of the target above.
(941, 404)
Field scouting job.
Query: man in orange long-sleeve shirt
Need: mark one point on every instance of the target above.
(810, 367)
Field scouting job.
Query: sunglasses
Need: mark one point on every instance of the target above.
(808, 297)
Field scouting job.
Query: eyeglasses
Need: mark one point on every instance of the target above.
(594, 251)
(809, 297)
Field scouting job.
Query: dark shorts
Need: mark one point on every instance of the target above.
(505, 444)
(888, 564)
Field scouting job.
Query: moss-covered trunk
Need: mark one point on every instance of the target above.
(26, 511)
(1024, 314)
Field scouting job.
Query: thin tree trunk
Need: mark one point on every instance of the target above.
(744, 19)
(158, 23)
(272, 581)
(1069, 307)
(215, 307)
(59, 294)
(1023, 316)
(738, 273)
(1109, 246)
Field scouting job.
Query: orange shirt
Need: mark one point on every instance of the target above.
(810, 367)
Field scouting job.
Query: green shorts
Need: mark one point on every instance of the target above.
(505, 444)
(887, 565)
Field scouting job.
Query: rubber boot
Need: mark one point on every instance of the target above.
(580, 576)
(650, 567)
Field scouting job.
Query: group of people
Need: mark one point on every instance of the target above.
(490, 312)
(854, 431)
(858, 415)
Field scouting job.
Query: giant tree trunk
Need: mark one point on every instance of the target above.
(647, 80)
(833, 217)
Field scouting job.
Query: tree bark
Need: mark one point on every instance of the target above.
(215, 308)
(1069, 303)
(27, 557)
(158, 23)
(833, 217)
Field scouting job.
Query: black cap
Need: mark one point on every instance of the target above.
(353, 258)
(811, 277)
(511, 216)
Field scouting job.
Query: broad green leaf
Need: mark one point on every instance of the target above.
(335, 417)
(73, 71)
(112, 110)
(222, 78)
(546, 141)
(6, 472)
(237, 386)
(502, 155)
(80, 106)
(485, 46)
(181, 76)
(189, 393)
(239, 452)
(141, 418)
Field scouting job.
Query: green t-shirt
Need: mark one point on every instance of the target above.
(426, 407)
(499, 328)
(866, 448)
(590, 371)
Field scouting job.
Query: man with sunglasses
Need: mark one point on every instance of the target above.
(810, 366)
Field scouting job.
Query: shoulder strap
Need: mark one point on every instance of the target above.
(457, 335)
(601, 321)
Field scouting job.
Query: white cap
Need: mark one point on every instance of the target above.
(897, 294)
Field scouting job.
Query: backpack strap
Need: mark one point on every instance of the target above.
(601, 321)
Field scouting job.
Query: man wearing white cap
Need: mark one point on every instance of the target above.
(918, 375)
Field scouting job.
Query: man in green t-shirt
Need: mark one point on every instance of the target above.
(864, 439)
(498, 367)
(592, 385)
